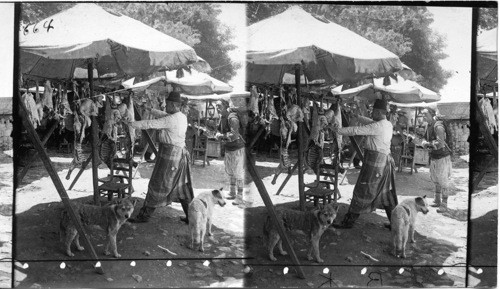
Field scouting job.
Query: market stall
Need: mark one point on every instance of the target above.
(284, 44)
(87, 35)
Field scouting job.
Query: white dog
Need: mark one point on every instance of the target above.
(403, 219)
(200, 215)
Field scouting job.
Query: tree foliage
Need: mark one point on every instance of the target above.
(195, 24)
(403, 30)
(488, 18)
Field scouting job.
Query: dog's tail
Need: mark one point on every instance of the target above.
(62, 224)
(265, 231)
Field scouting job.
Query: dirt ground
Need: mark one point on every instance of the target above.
(441, 239)
(38, 244)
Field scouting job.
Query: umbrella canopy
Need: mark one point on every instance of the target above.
(87, 31)
(326, 50)
(400, 91)
(406, 91)
(194, 82)
(487, 56)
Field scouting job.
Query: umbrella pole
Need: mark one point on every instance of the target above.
(302, 198)
(95, 136)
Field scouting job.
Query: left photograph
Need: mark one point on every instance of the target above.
(129, 156)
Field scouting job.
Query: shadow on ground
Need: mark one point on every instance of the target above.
(341, 249)
(39, 245)
(483, 249)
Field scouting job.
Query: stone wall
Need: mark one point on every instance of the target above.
(5, 131)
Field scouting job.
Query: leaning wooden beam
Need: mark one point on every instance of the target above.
(289, 175)
(272, 213)
(32, 157)
(80, 172)
(144, 151)
(145, 132)
(482, 173)
(353, 140)
(57, 182)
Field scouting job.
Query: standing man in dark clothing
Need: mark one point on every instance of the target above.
(169, 180)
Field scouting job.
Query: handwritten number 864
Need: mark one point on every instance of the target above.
(34, 29)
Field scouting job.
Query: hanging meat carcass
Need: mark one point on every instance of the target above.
(47, 95)
(271, 110)
(111, 119)
(334, 117)
(254, 100)
(87, 109)
(77, 151)
(30, 104)
(314, 153)
(129, 116)
(39, 103)
(319, 123)
(81, 121)
(64, 107)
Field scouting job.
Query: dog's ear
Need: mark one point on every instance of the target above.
(336, 208)
(134, 202)
(221, 189)
(424, 196)
(420, 201)
(215, 193)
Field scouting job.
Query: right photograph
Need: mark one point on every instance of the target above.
(372, 149)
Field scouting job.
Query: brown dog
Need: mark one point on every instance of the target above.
(109, 217)
(403, 219)
(313, 223)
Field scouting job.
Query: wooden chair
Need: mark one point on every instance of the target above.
(407, 158)
(200, 149)
(119, 180)
(324, 187)
(66, 146)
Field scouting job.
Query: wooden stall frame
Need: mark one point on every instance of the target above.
(57, 182)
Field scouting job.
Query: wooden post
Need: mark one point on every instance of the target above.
(32, 157)
(95, 137)
(57, 182)
(272, 213)
(302, 197)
